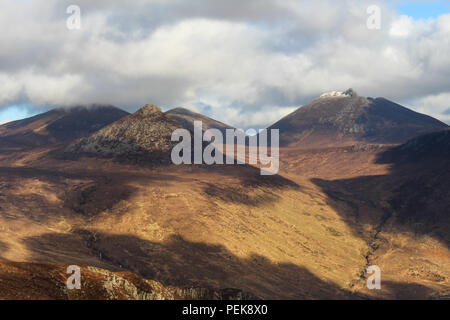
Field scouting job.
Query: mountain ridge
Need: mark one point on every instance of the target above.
(348, 119)
(187, 117)
(58, 125)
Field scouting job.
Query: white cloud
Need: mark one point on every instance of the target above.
(247, 63)
(437, 106)
(402, 27)
(10, 88)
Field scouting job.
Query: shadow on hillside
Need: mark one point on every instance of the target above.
(253, 189)
(414, 197)
(70, 191)
(407, 291)
(3, 247)
(89, 191)
(250, 177)
(179, 262)
(56, 193)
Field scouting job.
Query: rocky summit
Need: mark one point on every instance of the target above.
(145, 134)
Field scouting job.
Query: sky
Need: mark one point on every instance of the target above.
(423, 9)
(246, 63)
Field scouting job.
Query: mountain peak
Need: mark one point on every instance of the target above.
(352, 119)
(187, 118)
(181, 110)
(150, 109)
(348, 93)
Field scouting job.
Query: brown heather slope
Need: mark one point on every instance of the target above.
(308, 233)
(57, 125)
(303, 236)
(350, 119)
(398, 199)
(208, 227)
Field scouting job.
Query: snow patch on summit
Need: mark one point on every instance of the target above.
(334, 94)
(348, 93)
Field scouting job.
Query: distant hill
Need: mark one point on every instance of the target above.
(145, 134)
(431, 146)
(186, 118)
(346, 118)
(421, 195)
(58, 125)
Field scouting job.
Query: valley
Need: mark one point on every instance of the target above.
(309, 232)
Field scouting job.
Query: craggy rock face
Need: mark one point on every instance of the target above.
(149, 110)
(346, 118)
(146, 134)
(18, 282)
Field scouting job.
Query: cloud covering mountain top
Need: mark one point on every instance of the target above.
(227, 59)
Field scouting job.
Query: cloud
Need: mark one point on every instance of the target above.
(437, 106)
(402, 27)
(244, 62)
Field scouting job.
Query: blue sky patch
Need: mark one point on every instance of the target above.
(17, 112)
(424, 9)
